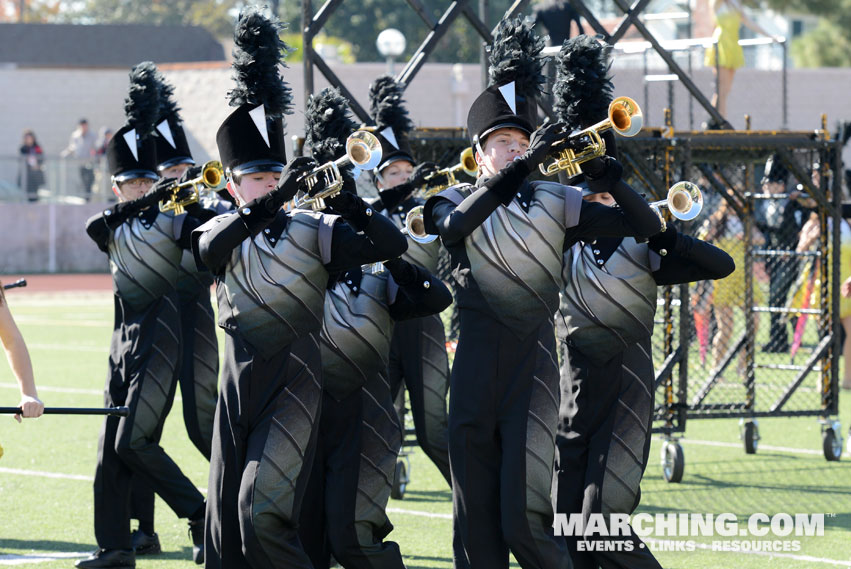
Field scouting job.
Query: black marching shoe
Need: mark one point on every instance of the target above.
(144, 544)
(196, 532)
(108, 559)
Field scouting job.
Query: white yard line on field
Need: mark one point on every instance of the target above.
(49, 389)
(419, 513)
(10, 559)
(68, 347)
(761, 446)
(33, 320)
(43, 474)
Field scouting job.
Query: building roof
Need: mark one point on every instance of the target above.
(111, 45)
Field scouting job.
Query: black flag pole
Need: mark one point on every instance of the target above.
(16, 284)
(117, 411)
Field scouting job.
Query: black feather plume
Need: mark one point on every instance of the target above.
(142, 105)
(328, 123)
(387, 107)
(583, 88)
(168, 105)
(516, 56)
(258, 51)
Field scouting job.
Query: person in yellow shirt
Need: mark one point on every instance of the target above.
(729, 17)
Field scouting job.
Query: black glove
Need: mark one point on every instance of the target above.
(423, 171)
(664, 241)
(351, 208)
(184, 193)
(541, 142)
(404, 273)
(289, 183)
(160, 191)
(190, 174)
(602, 173)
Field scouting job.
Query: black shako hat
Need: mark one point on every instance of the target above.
(251, 139)
(172, 147)
(131, 153)
(515, 78)
(393, 124)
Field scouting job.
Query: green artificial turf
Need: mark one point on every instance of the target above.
(68, 337)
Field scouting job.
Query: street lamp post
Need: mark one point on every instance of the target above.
(390, 44)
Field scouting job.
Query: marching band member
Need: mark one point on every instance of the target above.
(359, 434)
(198, 375)
(418, 351)
(272, 270)
(144, 247)
(505, 236)
(608, 305)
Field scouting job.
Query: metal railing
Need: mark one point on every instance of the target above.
(57, 179)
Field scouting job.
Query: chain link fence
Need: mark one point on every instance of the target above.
(765, 340)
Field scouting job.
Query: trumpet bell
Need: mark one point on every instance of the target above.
(468, 162)
(625, 116)
(415, 226)
(363, 149)
(213, 175)
(685, 201)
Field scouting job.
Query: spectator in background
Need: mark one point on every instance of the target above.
(780, 220)
(81, 147)
(102, 177)
(104, 136)
(30, 173)
(19, 361)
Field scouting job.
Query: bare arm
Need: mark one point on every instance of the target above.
(19, 361)
(747, 22)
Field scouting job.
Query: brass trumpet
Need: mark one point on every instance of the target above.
(363, 150)
(467, 163)
(684, 201)
(625, 118)
(212, 176)
(415, 226)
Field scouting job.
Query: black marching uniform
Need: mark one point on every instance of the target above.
(502, 446)
(271, 292)
(607, 375)
(144, 247)
(359, 433)
(418, 359)
(505, 237)
(198, 375)
(272, 269)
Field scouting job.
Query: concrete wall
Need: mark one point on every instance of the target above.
(40, 238)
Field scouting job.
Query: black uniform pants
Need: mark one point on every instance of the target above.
(350, 482)
(198, 377)
(144, 354)
(418, 359)
(263, 446)
(502, 421)
(603, 444)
